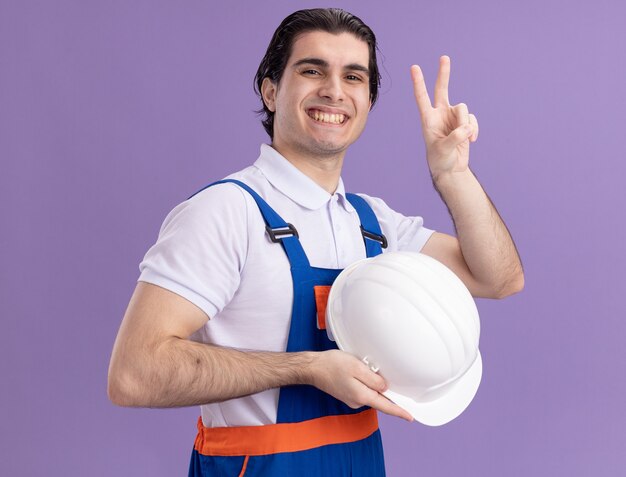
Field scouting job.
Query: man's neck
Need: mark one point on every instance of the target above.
(324, 171)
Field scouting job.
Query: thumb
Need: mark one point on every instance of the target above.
(458, 136)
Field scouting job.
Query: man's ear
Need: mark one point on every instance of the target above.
(268, 93)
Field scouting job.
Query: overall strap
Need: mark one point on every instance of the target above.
(373, 237)
(277, 229)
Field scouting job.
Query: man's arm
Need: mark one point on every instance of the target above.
(154, 364)
(484, 255)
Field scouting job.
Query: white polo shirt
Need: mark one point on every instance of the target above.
(214, 251)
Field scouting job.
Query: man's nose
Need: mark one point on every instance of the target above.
(332, 88)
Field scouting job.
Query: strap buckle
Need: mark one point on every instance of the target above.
(381, 239)
(279, 233)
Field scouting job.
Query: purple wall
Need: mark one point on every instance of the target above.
(113, 112)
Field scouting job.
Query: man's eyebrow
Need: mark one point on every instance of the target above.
(311, 61)
(357, 67)
(324, 64)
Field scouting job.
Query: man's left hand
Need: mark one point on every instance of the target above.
(448, 129)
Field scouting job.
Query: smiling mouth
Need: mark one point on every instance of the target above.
(322, 117)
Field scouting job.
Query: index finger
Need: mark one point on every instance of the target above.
(419, 88)
(383, 404)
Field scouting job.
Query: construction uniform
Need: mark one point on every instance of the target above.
(315, 434)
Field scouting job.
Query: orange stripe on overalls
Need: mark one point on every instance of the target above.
(287, 437)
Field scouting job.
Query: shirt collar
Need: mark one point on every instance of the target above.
(296, 185)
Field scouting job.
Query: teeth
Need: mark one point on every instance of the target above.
(327, 118)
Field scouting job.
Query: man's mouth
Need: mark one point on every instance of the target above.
(330, 118)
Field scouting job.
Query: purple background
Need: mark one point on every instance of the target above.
(113, 112)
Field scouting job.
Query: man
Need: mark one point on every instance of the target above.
(235, 268)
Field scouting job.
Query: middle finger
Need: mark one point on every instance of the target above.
(441, 85)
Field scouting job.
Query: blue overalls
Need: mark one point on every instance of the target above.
(315, 434)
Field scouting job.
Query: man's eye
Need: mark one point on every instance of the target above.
(311, 72)
(353, 78)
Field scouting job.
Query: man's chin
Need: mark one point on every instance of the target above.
(328, 148)
(329, 154)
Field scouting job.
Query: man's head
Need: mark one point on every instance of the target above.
(330, 20)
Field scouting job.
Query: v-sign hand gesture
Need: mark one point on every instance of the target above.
(448, 130)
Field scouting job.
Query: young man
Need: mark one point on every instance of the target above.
(235, 267)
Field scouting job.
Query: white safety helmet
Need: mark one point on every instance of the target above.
(410, 318)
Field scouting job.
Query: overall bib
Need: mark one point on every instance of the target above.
(315, 434)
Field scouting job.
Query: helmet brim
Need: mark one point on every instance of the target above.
(450, 405)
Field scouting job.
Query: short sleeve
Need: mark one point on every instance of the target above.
(403, 233)
(201, 248)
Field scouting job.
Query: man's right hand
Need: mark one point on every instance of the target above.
(351, 381)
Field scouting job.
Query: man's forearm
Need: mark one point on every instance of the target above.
(486, 243)
(185, 373)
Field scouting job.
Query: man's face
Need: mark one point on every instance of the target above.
(322, 100)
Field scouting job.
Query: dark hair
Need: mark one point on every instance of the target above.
(331, 20)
